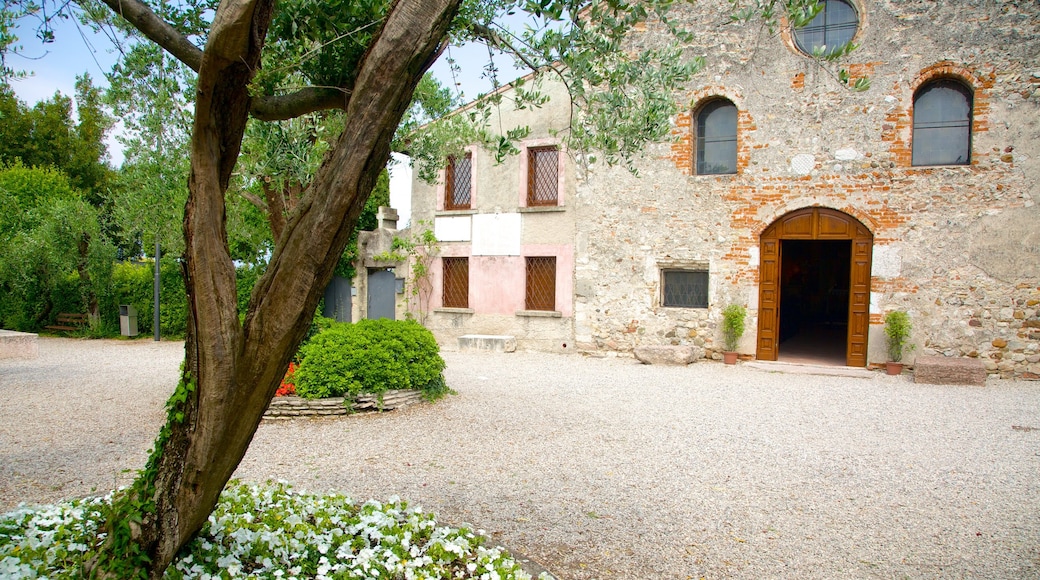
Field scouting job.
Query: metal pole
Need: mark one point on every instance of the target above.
(155, 285)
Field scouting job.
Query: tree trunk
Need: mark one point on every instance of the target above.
(236, 368)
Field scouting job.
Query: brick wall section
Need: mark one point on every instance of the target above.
(955, 246)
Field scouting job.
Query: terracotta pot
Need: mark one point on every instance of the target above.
(729, 358)
(894, 368)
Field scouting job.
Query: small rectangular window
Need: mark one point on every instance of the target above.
(685, 289)
(456, 283)
(458, 181)
(540, 292)
(543, 170)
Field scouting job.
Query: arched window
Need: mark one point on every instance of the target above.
(834, 26)
(717, 138)
(942, 124)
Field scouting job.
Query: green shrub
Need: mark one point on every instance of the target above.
(132, 283)
(897, 332)
(370, 356)
(733, 325)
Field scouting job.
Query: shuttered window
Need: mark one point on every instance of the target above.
(540, 291)
(543, 176)
(458, 181)
(456, 283)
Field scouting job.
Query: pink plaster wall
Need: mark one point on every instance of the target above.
(496, 283)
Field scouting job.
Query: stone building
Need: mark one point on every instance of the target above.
(817, 207)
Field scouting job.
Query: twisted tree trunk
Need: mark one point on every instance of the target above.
(232, 369)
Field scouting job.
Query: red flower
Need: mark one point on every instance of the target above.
(287, 387)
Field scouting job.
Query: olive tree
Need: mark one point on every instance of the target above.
(365, 58)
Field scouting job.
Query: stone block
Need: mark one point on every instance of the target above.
(18, 344)
(487, 342)
(667, 355)
(941, 370)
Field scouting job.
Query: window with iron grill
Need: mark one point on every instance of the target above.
(458, 179)
(456, 283)
(717, 138)
(543, 176)
(833, 27)
(540, 291)
(942, 124)
(685, 289)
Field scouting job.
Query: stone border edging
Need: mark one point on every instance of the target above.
(290, 407)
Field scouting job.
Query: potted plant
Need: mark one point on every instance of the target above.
(732, 330)
(897, 331)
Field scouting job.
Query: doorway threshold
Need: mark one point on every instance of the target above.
(810, 369)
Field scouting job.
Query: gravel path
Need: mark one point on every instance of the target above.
(604, 468)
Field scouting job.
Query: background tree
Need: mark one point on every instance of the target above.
(54, 255)
(364, 58)
(47, 135)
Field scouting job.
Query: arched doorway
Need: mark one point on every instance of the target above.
(815, 284)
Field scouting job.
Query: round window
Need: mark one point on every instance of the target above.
(833, 27)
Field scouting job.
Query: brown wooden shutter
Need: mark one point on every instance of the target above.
(458, 182)
(455, 292)
(543, 171)
(540, 292)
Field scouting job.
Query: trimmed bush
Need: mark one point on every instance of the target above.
(370, 356)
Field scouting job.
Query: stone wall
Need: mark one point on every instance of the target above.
(956, 246)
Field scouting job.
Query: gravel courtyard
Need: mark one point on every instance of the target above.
(605, 468)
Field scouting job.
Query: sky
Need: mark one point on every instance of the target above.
(78, 50)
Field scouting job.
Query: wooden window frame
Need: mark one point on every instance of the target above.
(538, 275)
(450, 172)
(455, 291)
(535, 169)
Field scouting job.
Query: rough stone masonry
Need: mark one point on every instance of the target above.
(956, 246)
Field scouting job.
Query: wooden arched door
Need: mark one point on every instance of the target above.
(815, 223)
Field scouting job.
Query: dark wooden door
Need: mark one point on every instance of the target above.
(815, 223)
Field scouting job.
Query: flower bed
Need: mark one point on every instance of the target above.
(268, 531)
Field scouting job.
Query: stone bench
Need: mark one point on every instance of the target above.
(667, 355)
(18, 344)
(487, 343)
(943, 370)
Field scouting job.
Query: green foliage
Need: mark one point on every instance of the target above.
(370, 356)
(54, 255)
(897, 333)
(133, 283)
(419, 249)
(317, 42)
(45, 135)
(267, 530)
(733, 325)
(116, 552)
(153, 95)
(367, 221)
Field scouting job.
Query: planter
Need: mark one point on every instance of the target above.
(894, 368)
(729, 357)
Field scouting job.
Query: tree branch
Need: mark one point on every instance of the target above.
(303, 101)
(141, 17)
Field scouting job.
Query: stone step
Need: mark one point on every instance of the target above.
(942, 370)
(18, 344)
(487, 343)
